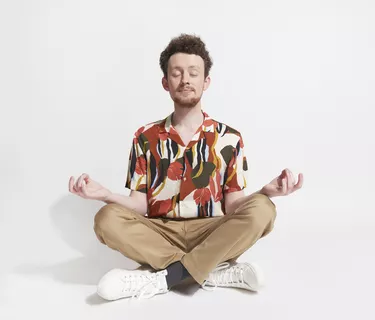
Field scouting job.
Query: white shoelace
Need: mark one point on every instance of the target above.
(224, 275)
(143, 285)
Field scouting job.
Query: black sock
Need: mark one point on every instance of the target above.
(176, 274)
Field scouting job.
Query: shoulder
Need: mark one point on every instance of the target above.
(228, 135)
(149, 129)
(225, 129)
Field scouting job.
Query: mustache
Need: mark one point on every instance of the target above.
(186, 88)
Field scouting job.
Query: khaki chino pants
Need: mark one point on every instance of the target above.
(200, 244)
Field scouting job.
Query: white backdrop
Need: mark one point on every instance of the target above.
(295, 77)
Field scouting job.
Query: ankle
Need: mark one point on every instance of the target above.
(176, 274)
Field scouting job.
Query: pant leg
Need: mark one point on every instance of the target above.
(155, 242)
(230, 236)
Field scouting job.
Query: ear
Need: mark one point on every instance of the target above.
(206, 83)
(164, 83)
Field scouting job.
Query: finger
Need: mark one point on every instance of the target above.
(283, 173)
(279, 182)
(80, 180)
(299, 183)
(284, 186)
(280, 178)
(71, 184)
(84, 189)
(75, 187)
(293, 180)
(79, 183)
(84, 176)
(288, 180)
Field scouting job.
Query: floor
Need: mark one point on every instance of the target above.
(310, 274)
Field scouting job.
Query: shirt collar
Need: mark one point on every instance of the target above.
(208, 125)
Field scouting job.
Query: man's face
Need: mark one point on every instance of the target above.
(185, 80)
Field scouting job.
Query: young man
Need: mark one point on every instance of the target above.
(187, 174)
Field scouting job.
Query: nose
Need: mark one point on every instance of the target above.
(185, 78)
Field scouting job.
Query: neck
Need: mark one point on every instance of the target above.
(187, 118)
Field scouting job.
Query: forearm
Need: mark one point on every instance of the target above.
(127, 202)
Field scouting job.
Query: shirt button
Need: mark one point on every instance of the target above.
(184, 178)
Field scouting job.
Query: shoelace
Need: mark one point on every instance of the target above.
(144, 285)
(224, 275)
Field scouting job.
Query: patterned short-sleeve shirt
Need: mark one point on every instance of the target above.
(186, 181)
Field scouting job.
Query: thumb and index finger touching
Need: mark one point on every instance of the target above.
(80, 182)
(284, 175)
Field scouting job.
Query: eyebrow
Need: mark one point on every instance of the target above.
(190, 67)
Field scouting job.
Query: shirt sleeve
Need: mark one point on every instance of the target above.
(236, 172)
(137, 167)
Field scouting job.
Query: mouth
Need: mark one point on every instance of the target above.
(184, 90)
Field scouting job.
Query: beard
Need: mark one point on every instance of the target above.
(186, 101)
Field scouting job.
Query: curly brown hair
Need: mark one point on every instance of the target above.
(186, 43)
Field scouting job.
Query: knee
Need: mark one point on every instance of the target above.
(105, 216)
(265, 214)
(261, 209)
(265, 203)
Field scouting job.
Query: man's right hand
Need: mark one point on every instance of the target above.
(87, 188)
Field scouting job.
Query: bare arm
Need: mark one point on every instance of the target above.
(234, 200)
(87, 188)
(136, 201)
(282, 185)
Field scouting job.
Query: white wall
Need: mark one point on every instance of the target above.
(77, 78)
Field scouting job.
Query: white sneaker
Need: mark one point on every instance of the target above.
(119, 283)
(247, 276)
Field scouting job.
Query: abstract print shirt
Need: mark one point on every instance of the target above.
(186, 181)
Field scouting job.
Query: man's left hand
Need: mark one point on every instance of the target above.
(283, 185)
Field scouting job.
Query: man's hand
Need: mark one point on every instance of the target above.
(283, 185)
(87, 188)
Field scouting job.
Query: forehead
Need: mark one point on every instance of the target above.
(184, 60)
